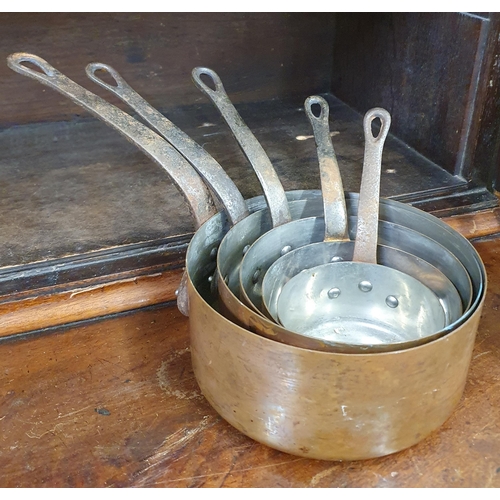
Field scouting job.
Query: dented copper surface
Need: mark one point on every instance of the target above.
(326, 405)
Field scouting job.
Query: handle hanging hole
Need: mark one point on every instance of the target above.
(105, 76)
(33, 65)
(25, 63)
(316, 109)
(376, 127)
(208, 81)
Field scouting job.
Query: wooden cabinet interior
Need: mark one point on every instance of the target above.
(81, 207)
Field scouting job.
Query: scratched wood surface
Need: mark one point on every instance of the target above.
(115, 403)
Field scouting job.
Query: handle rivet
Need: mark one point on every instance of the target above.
(392, 301)
(365, 286)
(333, 293)
(255, 277)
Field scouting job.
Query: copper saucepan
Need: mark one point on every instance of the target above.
(240, 238)
(360, 301)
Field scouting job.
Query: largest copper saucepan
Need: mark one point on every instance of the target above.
(328, 405)
(324, 405)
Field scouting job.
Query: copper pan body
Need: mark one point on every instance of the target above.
(325, 405)
(318, 404)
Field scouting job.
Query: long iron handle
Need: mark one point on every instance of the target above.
(251, 147)
(331, 181)
(365, 244)
(188, 181)
(205, 164)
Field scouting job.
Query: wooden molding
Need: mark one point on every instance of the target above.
(476, 225)
(86, 302)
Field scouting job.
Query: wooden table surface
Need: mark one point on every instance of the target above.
(115, 403)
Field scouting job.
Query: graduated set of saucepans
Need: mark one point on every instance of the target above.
(323, 323)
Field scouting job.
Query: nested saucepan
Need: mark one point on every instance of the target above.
(438, 292)
(360, 301)
(256, 261)
(316, 254)
(437, 311)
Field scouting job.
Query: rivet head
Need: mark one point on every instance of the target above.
(365, 286)
(213, 253)
(333, 293)
(245, 249)
(392, 301)
(336, 259)
(285, 250)
(255, 276)
(210, 279)
(177, 293)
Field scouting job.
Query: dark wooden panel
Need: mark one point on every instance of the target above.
(115, 404)
(484, 155)
(422, 67)
(258, 55)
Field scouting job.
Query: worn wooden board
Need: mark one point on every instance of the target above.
(72, 188)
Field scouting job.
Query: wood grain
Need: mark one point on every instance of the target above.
(477, 225)
(87, 301)
(423, 68)
(115, 403)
